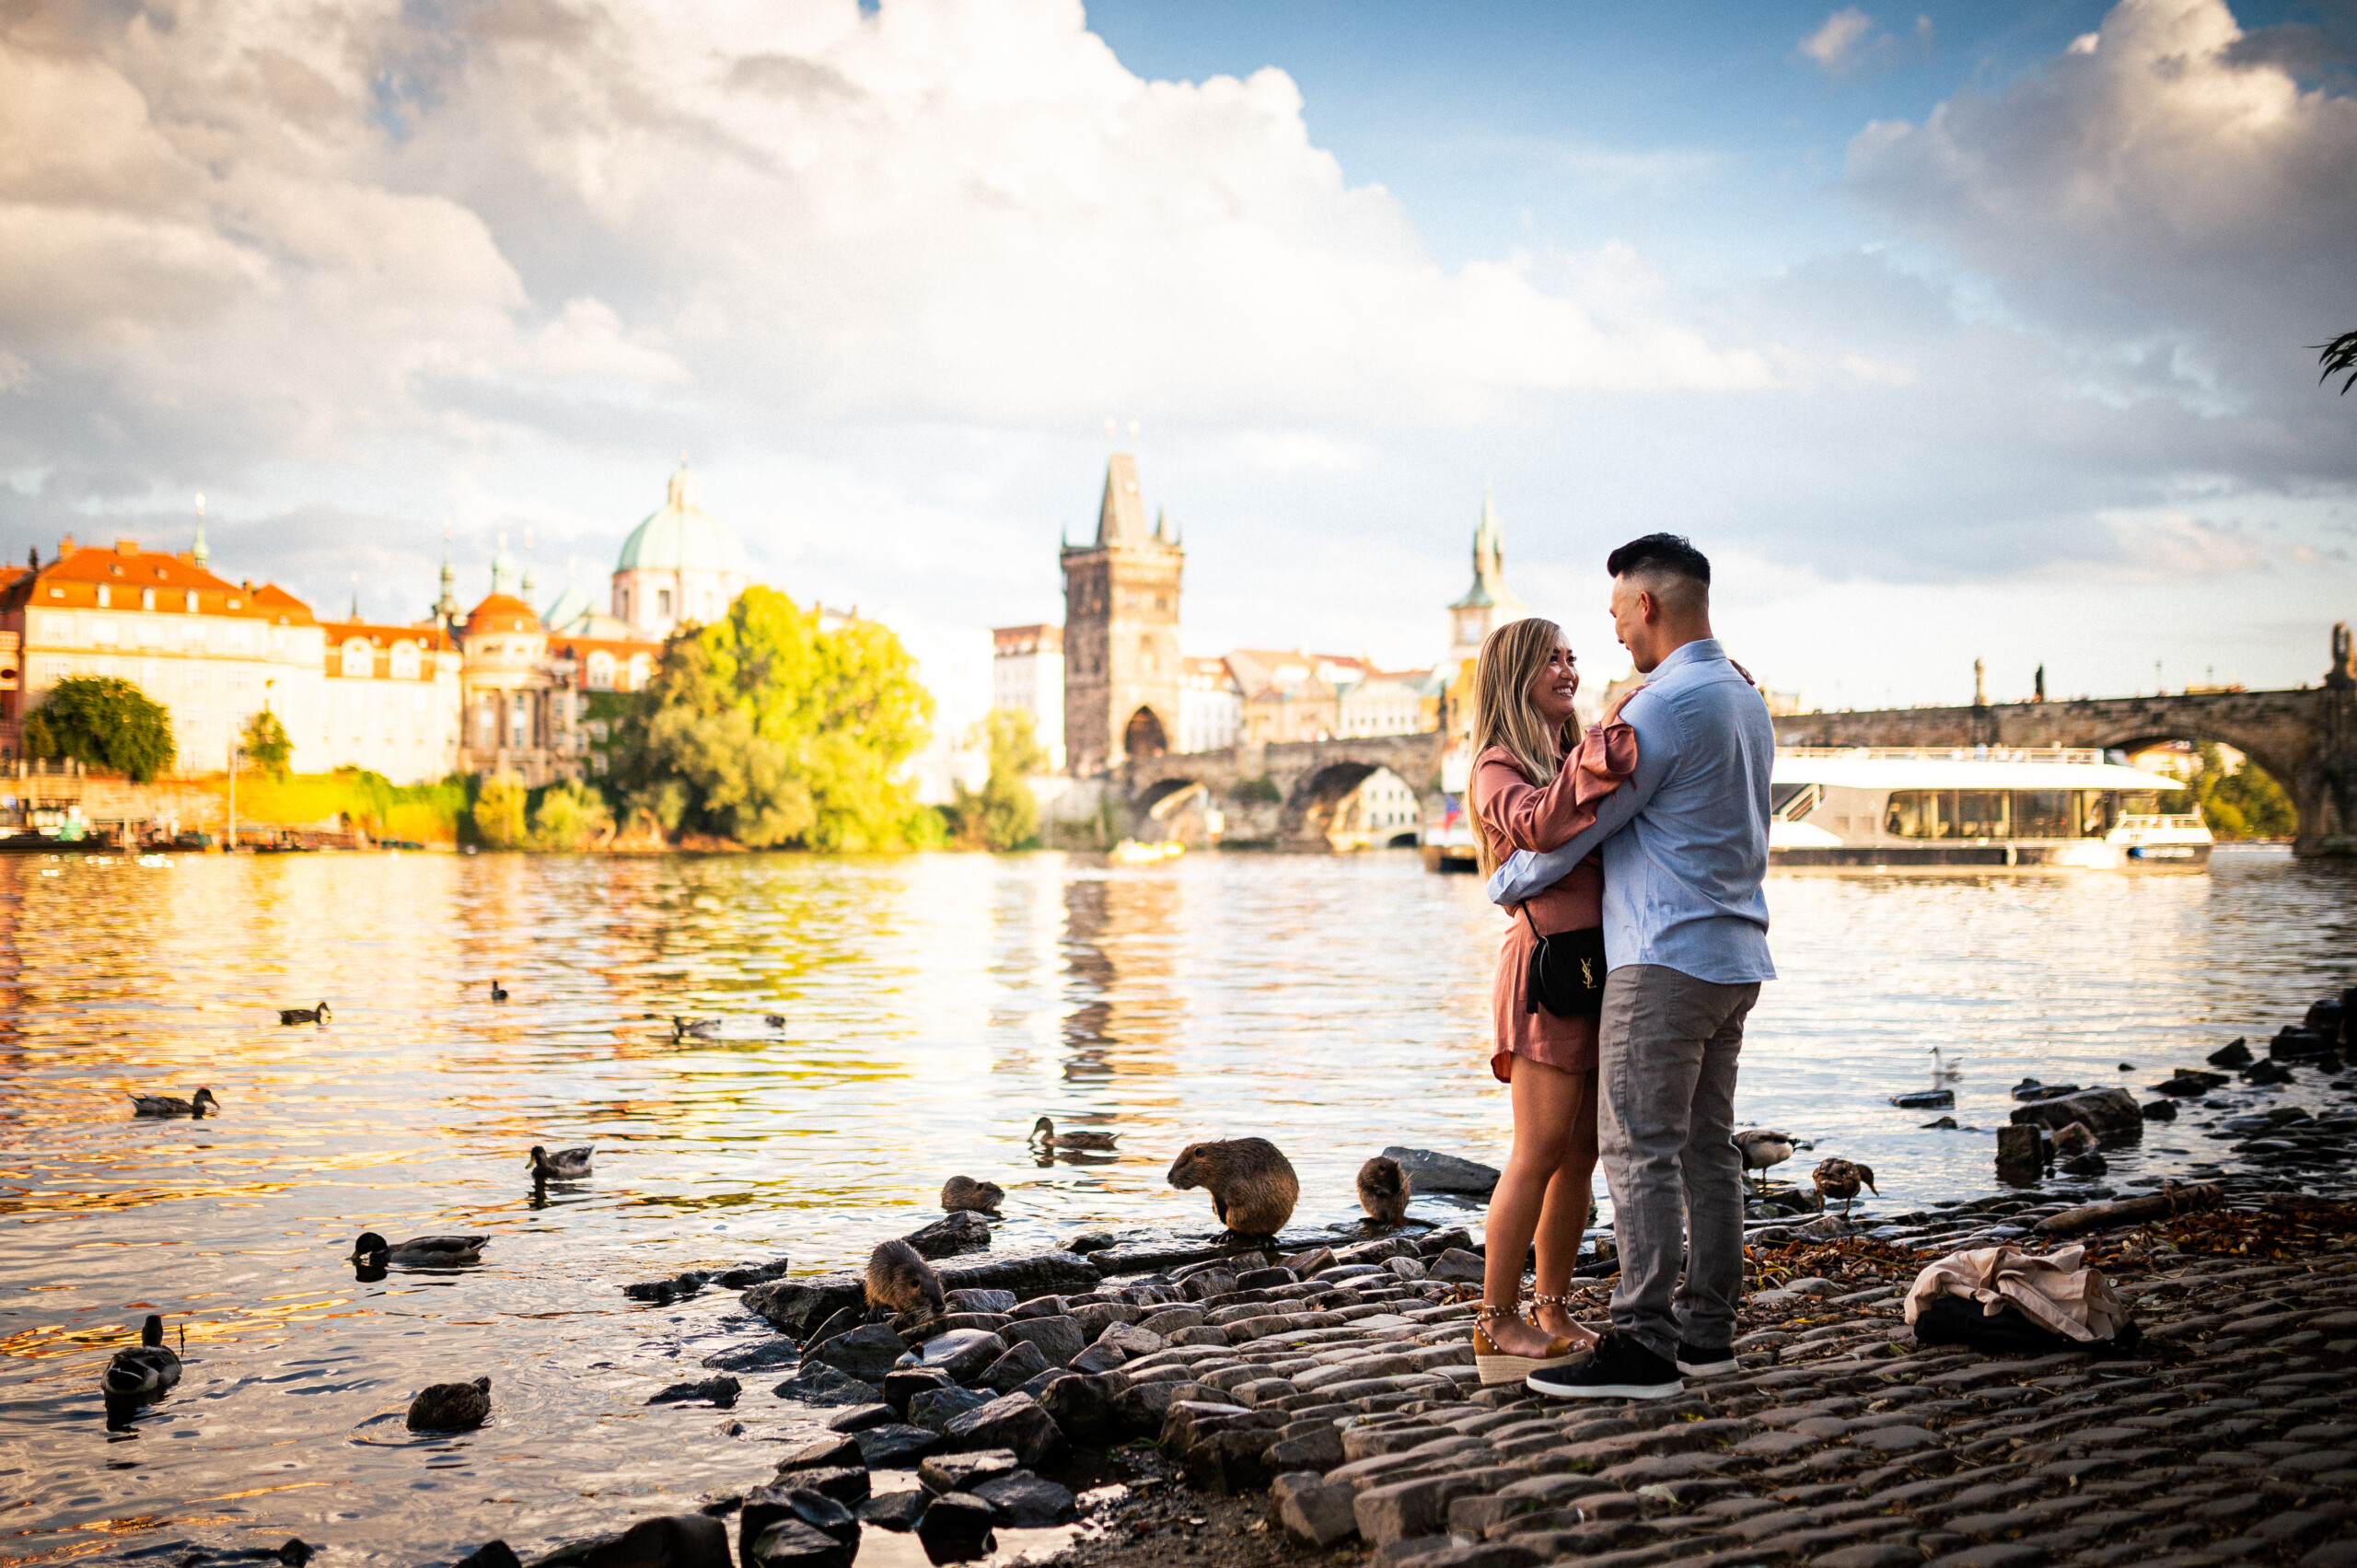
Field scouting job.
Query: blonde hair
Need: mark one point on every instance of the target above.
(1510, 661)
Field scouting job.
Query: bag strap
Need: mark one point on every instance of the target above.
(1530, 973)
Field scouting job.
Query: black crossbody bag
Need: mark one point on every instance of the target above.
(1566, 972)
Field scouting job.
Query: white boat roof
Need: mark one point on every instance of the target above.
(1963, 767)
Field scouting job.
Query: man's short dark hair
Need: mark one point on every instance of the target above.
(1662, 551)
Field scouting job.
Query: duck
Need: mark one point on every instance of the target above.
(418, 1251)
(1841, 1178)
(1764, 1147)
(450, 1407)
(701, 1029)
(1043, 1132)
(172, 1105)
(144, 1371)
(559, 1165)
(964, 1193)
(498, 992)
(774, 1020)
(318, 1015)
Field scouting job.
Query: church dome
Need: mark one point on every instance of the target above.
(682, 537)
(501, 612)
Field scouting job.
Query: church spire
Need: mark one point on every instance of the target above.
(446, 607)
(1120, 518)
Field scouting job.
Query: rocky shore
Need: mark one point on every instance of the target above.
(1191, 1399)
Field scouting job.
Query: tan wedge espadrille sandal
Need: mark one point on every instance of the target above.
(1496, 1367)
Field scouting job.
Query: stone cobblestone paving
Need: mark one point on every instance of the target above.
(2227, 1435)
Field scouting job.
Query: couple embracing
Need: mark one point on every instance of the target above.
(1630, 860)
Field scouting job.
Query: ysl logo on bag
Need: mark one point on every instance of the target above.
(1587, 974)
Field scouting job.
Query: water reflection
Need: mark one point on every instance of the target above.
(933, 1008)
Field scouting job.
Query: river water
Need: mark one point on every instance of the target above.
(932, 1007)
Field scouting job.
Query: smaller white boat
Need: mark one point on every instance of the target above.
(1128, 852)
(1978, 808)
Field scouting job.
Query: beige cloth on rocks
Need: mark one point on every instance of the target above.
(2053, 1291)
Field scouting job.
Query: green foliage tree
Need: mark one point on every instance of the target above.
(2338, 357)
(764, 728)
(2242, 804)
(105, 722)
(1003, 814)
(39, 745)
(266, 743)
(571, 816)
(499, 812)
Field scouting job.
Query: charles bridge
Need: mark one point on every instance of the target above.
(2305, 739)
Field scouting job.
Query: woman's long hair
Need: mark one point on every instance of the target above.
(1510, 661)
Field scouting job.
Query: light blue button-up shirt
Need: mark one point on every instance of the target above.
(1685, 836)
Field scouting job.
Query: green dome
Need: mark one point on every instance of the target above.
(682, 537)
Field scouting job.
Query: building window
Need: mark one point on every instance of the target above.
(404, 661)
(359, 660)
(520, 722)
(662, 602)
(106, 595)
(191, 601)
(147, 598)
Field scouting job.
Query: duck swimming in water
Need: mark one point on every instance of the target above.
(318, 1015)
(144, 1371)
(419, 1252)
(1043, 1132)
(498, 992)
(559, 1165)
(699, 1029)
(172, 1105)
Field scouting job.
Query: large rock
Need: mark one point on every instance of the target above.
(1024, 1501)
(2111, 1114)
(846, 1484)
(895, 1509)
(963, 1353)
(1016, 1422)
(1430, 1171)
(963, 1472)
(1059, 1338)
(797, 1306)
(866, 1352)
(936, 1408)
(820, 1454)
(1001, 1302)
(1456, 1266)
(815, 1383)
(680, 1540)
(790, 1543)
(1081, 1407)
(1311, 1509)
(897, 1447)
(956, 1527)
(721, 1391)
(951, 1234)
(907, 1382)
(794, 1508)
(1013, 1369)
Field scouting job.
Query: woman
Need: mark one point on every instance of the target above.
(1536, 783)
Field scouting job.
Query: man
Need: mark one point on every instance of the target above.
(1684, 843)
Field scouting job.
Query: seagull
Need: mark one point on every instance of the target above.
(1764, 1147)
(1841, 1178)
(1941, 1070)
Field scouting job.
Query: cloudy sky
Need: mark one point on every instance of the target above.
(1982, 330)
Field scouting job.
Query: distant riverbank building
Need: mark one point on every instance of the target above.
(1122, 674)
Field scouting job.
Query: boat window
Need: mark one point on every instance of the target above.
(2139, 803)
(2044, 814)
(1920, 814)
(2095, 813)
(1780, 795)
(1982, 814)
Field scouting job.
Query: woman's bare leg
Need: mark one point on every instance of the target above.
(1570, 1199)
(1548, 1103)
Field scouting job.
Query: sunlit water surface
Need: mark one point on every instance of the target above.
(933, 1006)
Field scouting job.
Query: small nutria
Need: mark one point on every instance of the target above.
(899, 1280)
(1383, 1190)
(451, 1406)
(1252, 1185)
(965, 1192)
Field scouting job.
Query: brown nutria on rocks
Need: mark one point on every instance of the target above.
(965, 1192)
(1383, 1190)
(899, 1280)
(1252, 1185)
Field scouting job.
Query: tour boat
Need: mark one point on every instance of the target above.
(1977, 807)
(1128, 852)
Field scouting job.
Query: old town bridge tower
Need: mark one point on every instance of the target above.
(1122, 670)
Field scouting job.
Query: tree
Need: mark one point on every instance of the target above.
(764, 728)
(2243, 803)
(104, 722)
(571, 816)
(499, 812)
(267, 744)
(1003, 814)
(2339, 357)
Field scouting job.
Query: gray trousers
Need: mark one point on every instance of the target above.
(1664, 1115)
